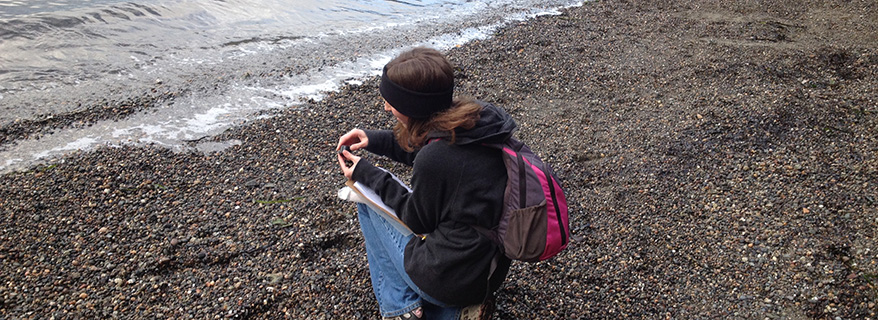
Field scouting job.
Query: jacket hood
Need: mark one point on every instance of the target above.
(494, 126)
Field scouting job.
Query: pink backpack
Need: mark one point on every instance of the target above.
(534, 225)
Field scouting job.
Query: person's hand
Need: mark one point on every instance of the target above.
(346, 155)
(355, 138)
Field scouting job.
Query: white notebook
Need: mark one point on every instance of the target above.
(358, 192)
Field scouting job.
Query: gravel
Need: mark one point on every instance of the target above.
(720, 159)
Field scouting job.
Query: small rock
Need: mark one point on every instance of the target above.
(252, 183)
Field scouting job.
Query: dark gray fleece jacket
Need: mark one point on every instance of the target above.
(454, 186)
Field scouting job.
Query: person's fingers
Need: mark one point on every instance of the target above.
(343, 140)
(354, 139)
(350, 156)
(357, 139)
(341, 163)
(347, 156)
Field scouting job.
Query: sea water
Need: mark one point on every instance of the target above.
(58, 56)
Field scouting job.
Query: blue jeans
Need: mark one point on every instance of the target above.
(394, 289)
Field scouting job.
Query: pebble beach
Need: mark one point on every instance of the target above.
(720, 159)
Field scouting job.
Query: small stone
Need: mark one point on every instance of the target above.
(252, 183)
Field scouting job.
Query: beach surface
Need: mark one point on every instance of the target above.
(720, 159)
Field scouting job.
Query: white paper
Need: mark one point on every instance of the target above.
(348, 194)
(358, 192)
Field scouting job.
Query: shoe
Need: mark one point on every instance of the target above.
(476, 312)
(411, 315)
(483, 311)
(473, 312)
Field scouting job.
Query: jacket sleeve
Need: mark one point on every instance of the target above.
(393, 192)
(432, 184)
(419, 208)
(382, 142)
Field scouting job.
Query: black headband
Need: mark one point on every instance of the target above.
(412, 103)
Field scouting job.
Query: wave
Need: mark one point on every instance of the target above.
(32, 27)
(212, 64)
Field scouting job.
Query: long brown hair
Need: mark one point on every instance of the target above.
(427, 70)
(464, 113)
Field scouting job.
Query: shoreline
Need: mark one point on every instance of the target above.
(174, 89)
(719, 160)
